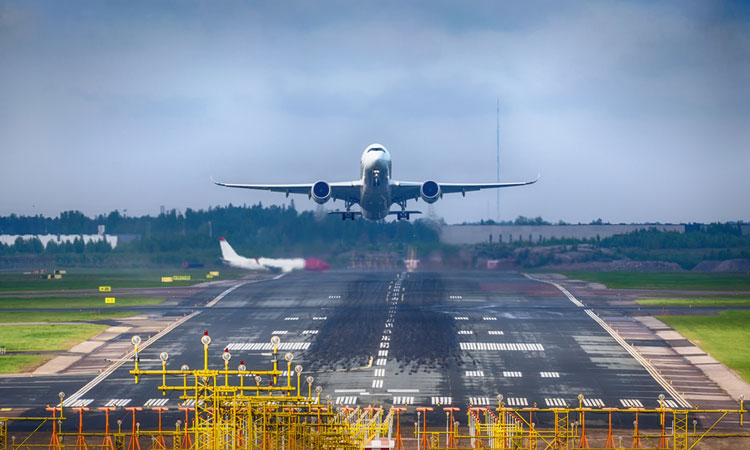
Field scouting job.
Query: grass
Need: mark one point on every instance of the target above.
(724, 336)
(667, 280)
(46, 337)
(75, 302)
(22, 363)
(92, 279)
(695, 301)
(61, 316)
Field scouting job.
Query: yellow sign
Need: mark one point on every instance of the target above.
(63, 272)
(208, 275)
(214, 273)
(105, 288)
(58, 276)
(181, 277)
(166, 279)
(109, 299)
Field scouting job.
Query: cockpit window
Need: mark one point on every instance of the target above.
(375, 149)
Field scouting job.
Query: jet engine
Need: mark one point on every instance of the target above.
(429, 191)
(320, 192)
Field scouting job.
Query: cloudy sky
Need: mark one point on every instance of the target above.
(631, 111)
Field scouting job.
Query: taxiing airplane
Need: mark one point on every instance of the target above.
(375, 191)
(231, 258)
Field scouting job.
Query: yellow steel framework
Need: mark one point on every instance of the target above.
(283, 413)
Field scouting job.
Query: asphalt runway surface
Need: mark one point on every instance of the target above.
(436, 339)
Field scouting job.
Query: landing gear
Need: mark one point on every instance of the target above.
(403, 214)
(348, 214)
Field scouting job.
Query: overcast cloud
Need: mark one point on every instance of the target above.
(631, 111)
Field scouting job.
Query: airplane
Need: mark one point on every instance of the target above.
(375, 191)
(231, 258)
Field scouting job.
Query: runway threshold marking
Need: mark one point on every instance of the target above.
(109, 370)
(495, 333)
(549, 374)
(518, 346)
(280, 332)
(442, 400)
(480, 401)
(153, 402)
(517, 401)
(348, 400)
(643, 361)
(379, 372)
(593, 402)
(631, 403)
(377, 383)
(118, 402)
(465, 332)
(474, 373)
(403, 401)
(489, 318)
(555, 402)
(512, 374)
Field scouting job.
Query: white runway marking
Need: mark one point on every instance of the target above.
(671, 404)
(118, 402)
(154, 402)
(385, 338)
(379, 372)
(80, 403)
(384, 345)
(593, 403)
(380, 362)
(403, 400)
(643, 361)
(512, 374)
(489, 318)
(309, 331)
(560, 402)
(480, 401)
(517, 401)
(501, 346)
(442, 400)
(334, 296)
(495, 333)
(461, 318)
(279, 332)
(191, 402)
(382, 352)
(291, 318)
(631, 403)
(394, 391)
(474, 373)
(377, 383)
(455, 297)
(549, 374)
(465, 332)
(232, 346)
(349, 400)
(320, 317)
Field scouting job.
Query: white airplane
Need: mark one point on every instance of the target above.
(375, 191)
(231, 258)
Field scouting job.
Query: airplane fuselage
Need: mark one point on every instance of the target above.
(375, 193)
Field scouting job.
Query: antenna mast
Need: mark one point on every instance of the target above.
(497, 191)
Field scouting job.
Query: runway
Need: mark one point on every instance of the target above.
(436, 339)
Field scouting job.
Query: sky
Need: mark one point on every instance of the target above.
(630, 111)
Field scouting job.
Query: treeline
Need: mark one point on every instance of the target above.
(255, 229)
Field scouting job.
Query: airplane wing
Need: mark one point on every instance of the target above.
(344, 190)
(407, 190)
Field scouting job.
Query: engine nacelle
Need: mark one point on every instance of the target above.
(320, 192)
(429, 191)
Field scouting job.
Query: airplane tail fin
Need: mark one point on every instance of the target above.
(227, 252)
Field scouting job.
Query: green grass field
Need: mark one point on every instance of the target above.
(667, 280)
(115, 278)
(22, 363)
(61, 316)
(75, 302)
(40, 338)
(695, 301)
(46, 337)
(724, 336)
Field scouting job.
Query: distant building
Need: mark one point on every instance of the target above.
(475, 234)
